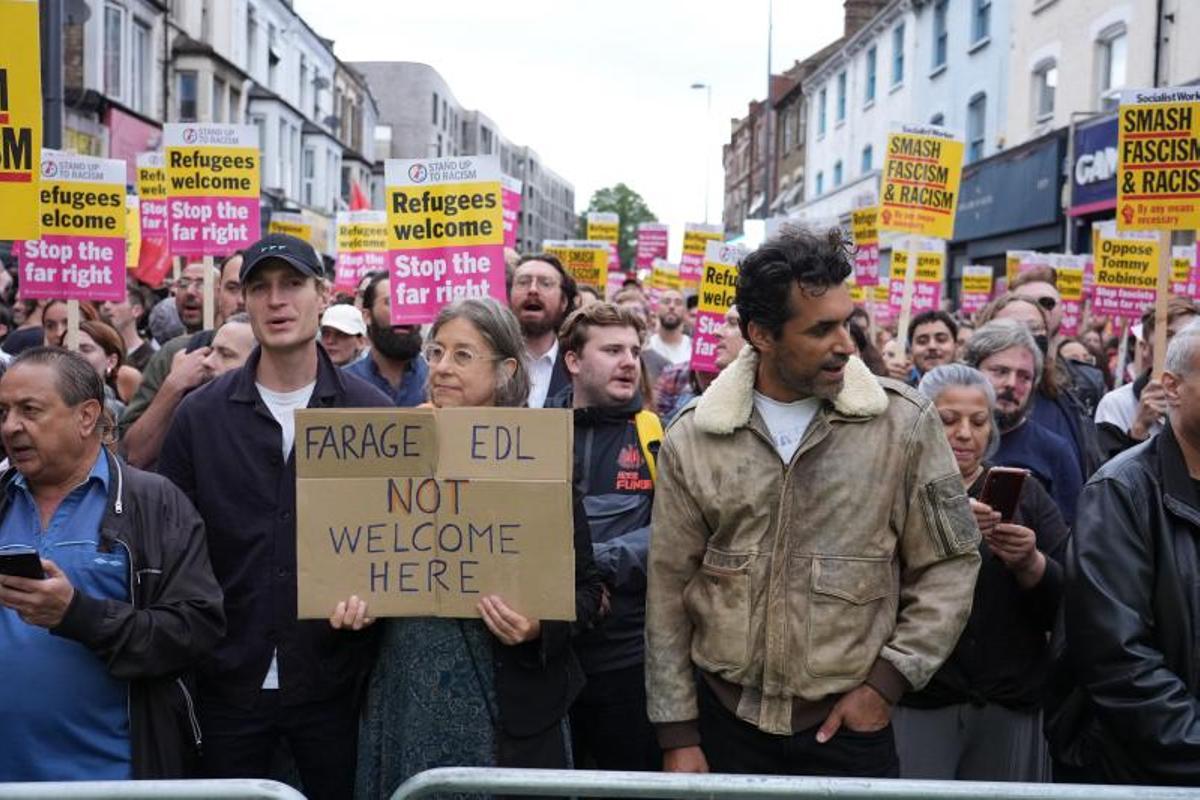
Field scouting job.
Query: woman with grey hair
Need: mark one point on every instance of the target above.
(979, 718)
(493, 691)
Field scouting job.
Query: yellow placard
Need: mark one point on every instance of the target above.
(78, 208)
(665, 276)
(1127, 263)
(586, 262)
(718, 287)
(603, 227)
(694, 241)
(301, 230)
(369, 237)
(1181, 269)
(20, 120)
(922, 171)
(212, 171)
(931, 265)
(152, 183)
(1158, 160)
(1070, 282)
(133, 232)
(864, 226)
(444, 215)
(980, 283)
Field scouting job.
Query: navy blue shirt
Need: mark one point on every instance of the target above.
(224, 450)
(410, 392)
(69, 715)
(1049, 457)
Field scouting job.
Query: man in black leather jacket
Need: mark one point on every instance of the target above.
(1131, 604)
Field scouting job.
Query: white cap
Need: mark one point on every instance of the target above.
(344, 318)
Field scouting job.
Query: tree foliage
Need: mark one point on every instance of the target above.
(632, 210)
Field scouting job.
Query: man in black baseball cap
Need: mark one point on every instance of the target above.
(298, 253)
(229, 448)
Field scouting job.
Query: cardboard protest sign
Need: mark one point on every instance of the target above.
(696, 237)
(445, 234)
(879, 302)
(653, 239)
(927, 280)
(1126, 272)
(1183, 271)
(718, 291)
(421, 512)
(604, 226)
(81, 252)
(20, 120)
(664, 276)
(1158, 159)
(133, 231)
(976, 288)
(510, 203)
(361, 247)
(922, 170)
(864, 229)
(154, 256)
(212, 187)
(586, 262)
(1069, 271)
(292, 224)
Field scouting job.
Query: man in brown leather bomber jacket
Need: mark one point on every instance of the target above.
(813, 553)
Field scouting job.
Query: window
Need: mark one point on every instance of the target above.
(219, 100)
(976, 118)
(789, 131)
(187, 96)
(301, 97)
(140, 60)
(435, 108)
(837, 174)
(897, 55)
(870, 95)
(868, 156)
(941, 37)
(938, 119)
(1111, 57)
(841, 97)
(444, 114)
(820, 185)
(114, 22)
(284, 182)
(821, 113)
(1045, 81)
(235, 104)
(981, 20)
(261, 124)
(801, 122)
(310, 169)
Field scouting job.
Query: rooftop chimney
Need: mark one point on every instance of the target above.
(859, 12)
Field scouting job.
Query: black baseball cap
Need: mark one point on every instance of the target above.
(297, 253)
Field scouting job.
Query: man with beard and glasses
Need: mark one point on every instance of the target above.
(670, 341)
(542, 296)
(394, 365)
(813, 553)
(1007, 353)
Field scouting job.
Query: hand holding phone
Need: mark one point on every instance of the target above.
(1002, 490)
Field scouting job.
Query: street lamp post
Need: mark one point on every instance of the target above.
(707, 87)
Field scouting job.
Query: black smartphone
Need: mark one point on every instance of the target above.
(22, 563)
(1002, 490)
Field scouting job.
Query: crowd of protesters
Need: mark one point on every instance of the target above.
(786, 566)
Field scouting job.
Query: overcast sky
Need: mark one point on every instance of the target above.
(599, 89)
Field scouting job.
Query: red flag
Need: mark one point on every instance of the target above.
(358, 199)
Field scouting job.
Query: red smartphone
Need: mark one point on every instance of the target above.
(1002, 490)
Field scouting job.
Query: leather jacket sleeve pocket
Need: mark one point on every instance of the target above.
(948, 516)
(846, 623)
(718, 602)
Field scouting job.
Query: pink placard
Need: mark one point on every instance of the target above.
(423, 281)
(1121, 302)
(1072, 310)
(208, 226)
(866, 265)
(652, 243)
(927, 296)
(72, 268)
(510, 201)
(691, 268)
(351, 268)
(973, 301)
(705, 339)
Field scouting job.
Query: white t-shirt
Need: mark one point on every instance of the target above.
(541, 370)
(675, 353)
(1119, 408)
(283, 407)
(787, 422)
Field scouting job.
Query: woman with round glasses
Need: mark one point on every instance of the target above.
(493, 691)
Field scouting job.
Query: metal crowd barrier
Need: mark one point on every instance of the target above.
(241, 789)
(590, 783)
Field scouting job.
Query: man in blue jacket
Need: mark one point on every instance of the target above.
(616, 442)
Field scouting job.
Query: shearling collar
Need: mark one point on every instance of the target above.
(729, 400)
